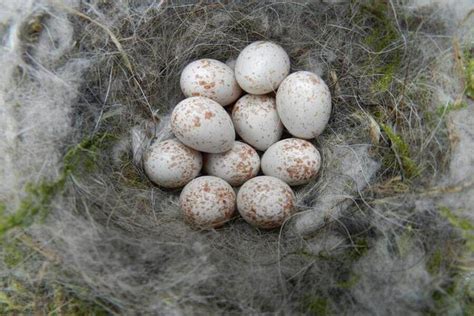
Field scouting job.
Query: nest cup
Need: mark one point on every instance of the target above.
(88, 86)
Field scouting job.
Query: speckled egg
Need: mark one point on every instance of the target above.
(304, 104)
(203, 124)
(212, 79)
(266, 202)
(256, 120)
(234, 166)
(295, 161)
(261, 67)
(207, 202)
(171, 164)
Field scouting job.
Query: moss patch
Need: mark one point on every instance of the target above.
(464, 225)
(469, 72)
(402, 152)
(382, 35)
(24, 294)
(80, 158)
(443, 110)
(36, 202)
(350, 282)
(317, 306)
(434, 263)
(455, 297)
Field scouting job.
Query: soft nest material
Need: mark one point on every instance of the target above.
(85, 86)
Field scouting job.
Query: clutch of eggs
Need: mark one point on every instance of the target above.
(206, 142)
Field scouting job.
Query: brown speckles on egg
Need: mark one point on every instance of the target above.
(261, 66)
(304, 104)
(295, 161)
(207, 202)
(234, 166)
(171, 164)
(256, 120)
(266, 202)
(212, 79)
(196, 121)
(203, 124)
(208, 115)
(205, 63)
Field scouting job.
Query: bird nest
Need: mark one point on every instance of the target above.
(86, 86)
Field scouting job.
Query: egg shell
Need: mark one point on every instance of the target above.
(256, 120)
(207, 202)
(304, 104)
(261, 67)
(266, 202)
(203, 124)
(295, 161)
(212, 79)
(171, 164)
(235, 166)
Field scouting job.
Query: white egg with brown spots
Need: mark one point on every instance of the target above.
(256, 120)
(294, 161)
(266, 202)
(171, 164)
(304, 104)
(212, 79)
(235, 166)
(203, 124)
(261, 67)
(207, 202)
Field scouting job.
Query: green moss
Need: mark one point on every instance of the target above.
(83, 156)
(434, 263)
(469, 73)
(78, 159)
(382, 35)
(383, 32)
(350, 282)
(401, 149)
(361, 246)
(443, 110)
(454, 296)
(13, 253)
(35, 202)
(317, 306)
(464, 225)
(64, 303)
(22, 293)
(387, 72)
(19, 298)
(453, 299)
(7, 304)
